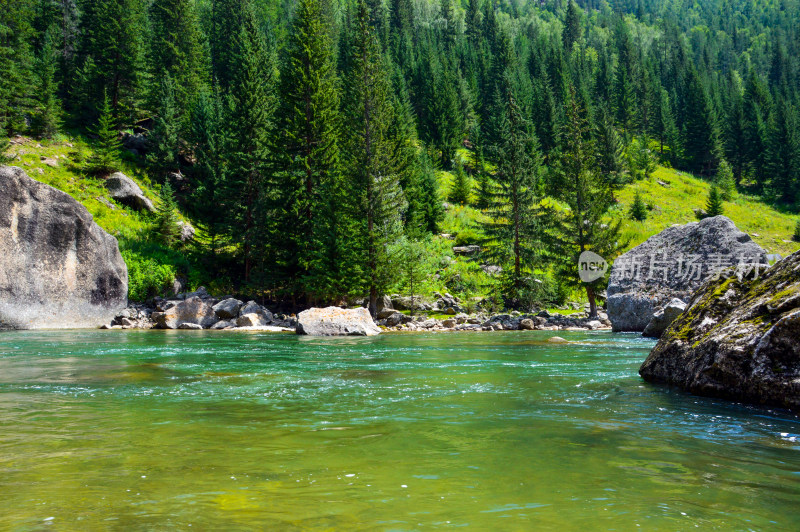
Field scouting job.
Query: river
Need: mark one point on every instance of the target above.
(144, 430)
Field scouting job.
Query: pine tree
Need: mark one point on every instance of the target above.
(638, 210)
(47, 115)
(725, 181)
(16, 66)
(167, 227)
(112, 45)
(312, 188)
(513, 231)
(250, 119)
(572, 26)
(461, 189)
(372, 173)
(610, 157)
(577, 182)
(700, 138)
(430, 198)
(163, 154)
(782, 157)
(796, 236)
(105, 158)
(756, 110)
(207, 135)
(178, 49)
(414, 262)
(714, 205)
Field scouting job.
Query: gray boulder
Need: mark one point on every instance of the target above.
(58, 268)
(193, 311)
(663, 318)
(227, 308)
(737, 339)
(410, 303)
(187, 232)
(335, 321)
(673, 264)
(125, 190)
(251, 307)
(398, 318)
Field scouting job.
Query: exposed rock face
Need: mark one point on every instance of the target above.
(738, 339)
(662, 319)
(58, 269)
(125, 190)
(673, 264)
(192, 311)
(335, 321)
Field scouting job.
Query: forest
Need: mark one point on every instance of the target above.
(304, 137)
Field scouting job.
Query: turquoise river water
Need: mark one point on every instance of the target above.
(187, 430)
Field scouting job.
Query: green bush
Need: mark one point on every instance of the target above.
(152, 269)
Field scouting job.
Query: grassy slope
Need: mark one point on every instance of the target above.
(675, 203)
(70, 152)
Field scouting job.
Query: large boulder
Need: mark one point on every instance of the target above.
(189, 311)
(673, 264)
(663, 318)
(335, 321)
(58, 268)
(738, 339)
(125, 190)
(228, 308)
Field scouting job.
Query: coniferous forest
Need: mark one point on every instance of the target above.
(303, 137)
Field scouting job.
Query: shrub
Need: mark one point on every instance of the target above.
(796, 236)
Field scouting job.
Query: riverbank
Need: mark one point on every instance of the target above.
(199, 310)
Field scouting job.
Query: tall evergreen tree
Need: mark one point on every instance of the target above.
(515, 222)
(177, 48)
(371, 169)
(782, 157)
(167, 228)
(572, 26)
(164, 139)
(106, 151)
(250, 118)
(700, 137)
(47, 115)
(577, 182)
(311, 192)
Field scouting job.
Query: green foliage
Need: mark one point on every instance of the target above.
(714, 205)
(638, 209)
(147, 276)
(163, 154)
(167, 227)
(461, 189)
(4, 146)
(643, 161)
(796, 236)
(46, 119)
(725, 181)
(105, 158)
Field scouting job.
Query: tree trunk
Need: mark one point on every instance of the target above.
(592, 301)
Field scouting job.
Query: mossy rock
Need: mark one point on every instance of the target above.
(738, 339)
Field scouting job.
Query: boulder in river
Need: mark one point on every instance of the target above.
(125, 190)
(739, 338)
(673, 264)
(192, 311)
(228, 308)
(335, 321)
(58, 268)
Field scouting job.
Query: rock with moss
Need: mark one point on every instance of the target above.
(673, 264)
(738, 339)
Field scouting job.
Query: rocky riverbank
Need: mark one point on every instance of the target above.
(200, 310)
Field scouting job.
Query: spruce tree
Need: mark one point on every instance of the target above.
(725, 181)
(4, 146)
(638, 210)
(311, 189)
(250, 118)
(714, 205)
(47, 115)
(430, 197)
(577, 182)
(796, 236)
(572, 27)
(782, 157)
(163, 154)
(167, 228)
(700, 139)
(207, 136)
(178, 49)
(757, 105)
(105, 158)
(461, 189)
(371, 169)
(513, 230)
